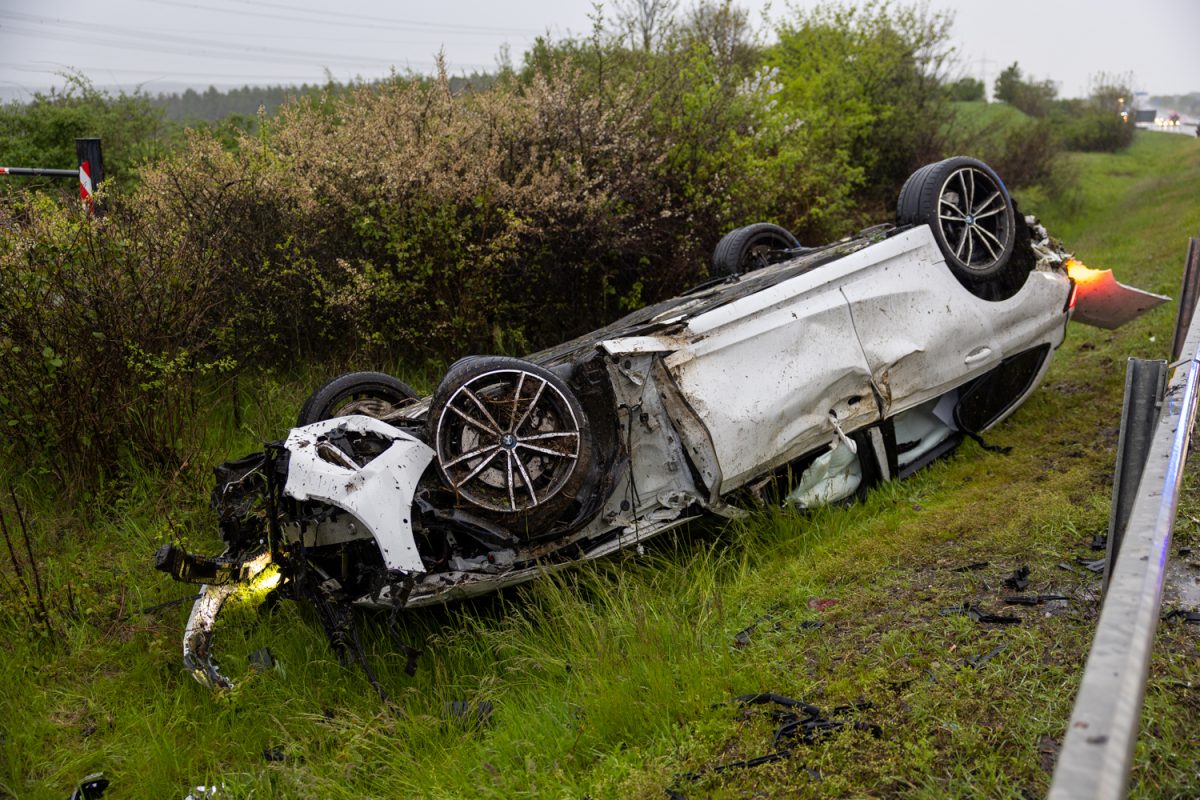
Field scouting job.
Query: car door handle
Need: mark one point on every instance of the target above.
(975, 356)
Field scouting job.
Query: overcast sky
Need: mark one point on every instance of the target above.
(161, 44)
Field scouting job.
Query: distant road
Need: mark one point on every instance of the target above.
(1187, 127)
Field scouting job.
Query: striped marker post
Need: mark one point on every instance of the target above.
(90, 173)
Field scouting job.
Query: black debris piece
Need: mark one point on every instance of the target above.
(90, 788)
(398, 637)
(1019, 580)
(1096, 565)
(1100, 541)
(801, 722)
(1186, 616)
(742, 638)
(717, 769)
(1065, 566)
(979, 661)
(972, 566)
(262, 660)
(1184, 552)
(470, 715)
(811, 624)
(412, 654)
(974, 612)
(1031, 599)
(762, 698)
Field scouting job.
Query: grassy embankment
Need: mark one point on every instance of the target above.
(610, 681)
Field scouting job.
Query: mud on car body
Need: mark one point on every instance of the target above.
(820, 369)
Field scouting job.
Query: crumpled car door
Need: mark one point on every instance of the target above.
(766, 372)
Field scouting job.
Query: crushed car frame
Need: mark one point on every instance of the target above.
(822, 369)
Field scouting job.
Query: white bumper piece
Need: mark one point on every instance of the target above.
(1104, 302)
(378, 495)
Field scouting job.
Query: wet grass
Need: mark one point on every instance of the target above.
(613, 680)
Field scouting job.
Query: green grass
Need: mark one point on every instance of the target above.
(977, 120)
(611, 680)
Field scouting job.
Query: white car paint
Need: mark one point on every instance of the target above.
(379, 495)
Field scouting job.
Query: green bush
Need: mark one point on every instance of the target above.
(1096, 124)
(105, 329)
(966, 90)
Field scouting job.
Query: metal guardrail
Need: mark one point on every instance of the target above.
(1097, 752)
(1145, 386)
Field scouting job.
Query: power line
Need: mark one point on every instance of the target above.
(316, 77)
(157, 41)
(208, 52)
(338, 20)
(374, 19)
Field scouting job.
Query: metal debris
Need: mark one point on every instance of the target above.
(203, 793)
(90, 788)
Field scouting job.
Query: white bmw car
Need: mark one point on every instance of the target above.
(805, 373)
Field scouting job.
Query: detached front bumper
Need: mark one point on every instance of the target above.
(322, 466)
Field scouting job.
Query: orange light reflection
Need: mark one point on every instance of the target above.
(1081, 273)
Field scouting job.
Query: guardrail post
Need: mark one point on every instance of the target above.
(1187, 297)
(1145, 382)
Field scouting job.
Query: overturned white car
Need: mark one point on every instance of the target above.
(807, 372)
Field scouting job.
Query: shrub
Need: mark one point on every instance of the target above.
(103, 334)
(1096, 124)
(966, 90)
(406, 221)
(1035, 98)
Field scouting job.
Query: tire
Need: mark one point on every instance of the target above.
(906, 204)
(969, 210)
(747, 249)
(374, 394)
(511, 439)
